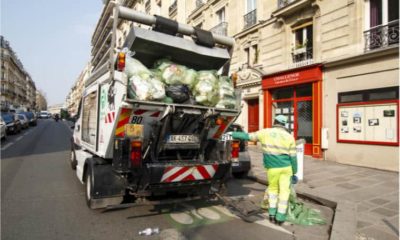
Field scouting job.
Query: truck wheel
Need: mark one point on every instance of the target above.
(101, 202)
(73, 161)
(89, 190)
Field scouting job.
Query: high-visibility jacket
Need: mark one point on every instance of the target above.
(278, 145)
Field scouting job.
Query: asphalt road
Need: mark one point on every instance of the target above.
(41, 198)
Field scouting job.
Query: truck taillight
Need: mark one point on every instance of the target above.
(235, 150)
(136, 154)
(121, 61)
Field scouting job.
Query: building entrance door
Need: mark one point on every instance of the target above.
(296, 104)
(253, 115)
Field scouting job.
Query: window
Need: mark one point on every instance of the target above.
(368, 116)
(221, 15)
(247, 52)
(251, 5)
(382, 23)
(255, 54)
(302, 48)
(89, 118)
(390, 93)
(250, 18)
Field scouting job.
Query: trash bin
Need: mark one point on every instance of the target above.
(300, 158)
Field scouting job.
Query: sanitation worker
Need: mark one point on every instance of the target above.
(280, 162)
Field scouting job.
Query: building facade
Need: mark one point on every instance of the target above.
(17, 87)
(41, 102)
(331, 68)
(74, 96)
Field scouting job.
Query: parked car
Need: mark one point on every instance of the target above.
(240, 167)
(2, 129)
(24, 120)
(13, 124)
(31, 117)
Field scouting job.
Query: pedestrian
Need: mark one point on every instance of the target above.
(280, 162)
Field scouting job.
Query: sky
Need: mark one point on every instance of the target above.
(52, 40)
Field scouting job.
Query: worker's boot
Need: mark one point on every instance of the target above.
(272, 218)
(279, 222)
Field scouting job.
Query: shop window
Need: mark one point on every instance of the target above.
(371, 118)
(282, 93)
(390, 93)
(304, 91)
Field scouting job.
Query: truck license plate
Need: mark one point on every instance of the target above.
(226, 137)
(183, 139)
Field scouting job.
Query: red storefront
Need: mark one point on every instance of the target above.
(297, 94)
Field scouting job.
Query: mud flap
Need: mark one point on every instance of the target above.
(106, 182)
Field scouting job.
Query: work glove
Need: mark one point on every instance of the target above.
(294, 179)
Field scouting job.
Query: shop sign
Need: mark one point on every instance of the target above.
(292, 77)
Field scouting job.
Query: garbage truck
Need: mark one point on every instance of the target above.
(124, 148)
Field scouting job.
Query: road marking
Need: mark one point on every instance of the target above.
(6, 146)
(16, 140)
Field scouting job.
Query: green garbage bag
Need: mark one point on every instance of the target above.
(206, 90)
(226, 93)
(135, 67)
(175, 74)
(300, 214)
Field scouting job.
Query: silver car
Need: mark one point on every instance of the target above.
(24, 120)
(2, 129)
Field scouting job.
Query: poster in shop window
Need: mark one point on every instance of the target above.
(371, 123)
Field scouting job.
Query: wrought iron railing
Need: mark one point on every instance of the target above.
(302, 56)
(382, 36)
(250, 18)
(173, 7)
(284, 3)
(221, 29)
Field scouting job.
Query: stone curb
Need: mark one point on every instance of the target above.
(344, 221)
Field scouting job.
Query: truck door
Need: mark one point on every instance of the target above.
(89, 118)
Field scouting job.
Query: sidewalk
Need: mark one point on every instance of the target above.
(375, 193)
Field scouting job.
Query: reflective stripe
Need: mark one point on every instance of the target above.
(282, 210)
(274, 153)
(275, 147)
(283, 202)
(273, 196)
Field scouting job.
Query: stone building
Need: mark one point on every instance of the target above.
(17, 87)
(332, 68)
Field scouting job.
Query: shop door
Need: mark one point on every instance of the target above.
(253, 116)
(303, 123)
(296, 104)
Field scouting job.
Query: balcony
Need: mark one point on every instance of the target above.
(284, 3)
(250, 19)
(199, 3)
(382, 36)
(302, 57)
(287, 8)
(221, 29)
(172, 9)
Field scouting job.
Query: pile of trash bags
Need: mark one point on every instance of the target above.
(173, 83)
(300, 214)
